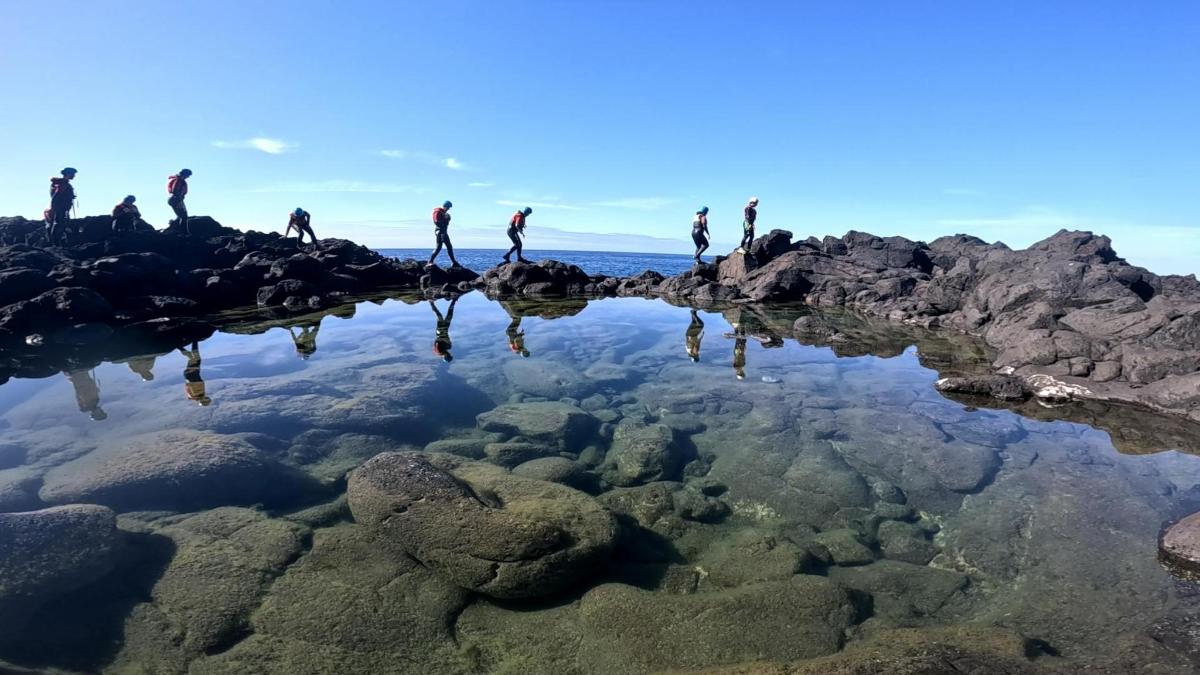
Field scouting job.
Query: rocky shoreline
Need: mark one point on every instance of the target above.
(1067, 317)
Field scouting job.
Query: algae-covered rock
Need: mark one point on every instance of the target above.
(553, 469)
(177, 469)
(348, 606)
(481, 527)
(642, 453)
(635, 631)
(47, 553)
(511, 454)
(903, 593)
(560, 425)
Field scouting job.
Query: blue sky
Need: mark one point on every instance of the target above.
(615, 120)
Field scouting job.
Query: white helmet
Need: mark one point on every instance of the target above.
(754, 200)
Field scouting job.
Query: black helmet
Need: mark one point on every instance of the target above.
(527, 210)
(69, 171)
(185, 172)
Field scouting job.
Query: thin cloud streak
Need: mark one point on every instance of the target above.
(341, 186)
(481, 185)
(271, 146)
(452, 163)
(539, 205)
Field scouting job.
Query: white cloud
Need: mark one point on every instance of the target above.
(639, 203)
(481, 185)
(341, 186)
(452, 163)
(271, 146)
(539, 205)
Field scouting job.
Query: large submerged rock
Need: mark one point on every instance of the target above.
(481, 527)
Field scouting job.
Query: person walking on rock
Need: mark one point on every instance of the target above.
(193, 381)
(700, 231)
(125, 215)
(516, 230)
(693, 337)
(751, 213)
(87, 394)
(62, 199)
(301, 222)
(177, 187)
(441, 227)
(441, 337)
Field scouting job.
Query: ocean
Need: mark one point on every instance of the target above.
(593, 262)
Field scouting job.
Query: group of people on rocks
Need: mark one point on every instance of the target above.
(126, 218)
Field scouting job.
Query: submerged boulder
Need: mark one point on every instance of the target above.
(560, 425)
(481, 527)
(176, 469)
(46, 553)
(642, 453)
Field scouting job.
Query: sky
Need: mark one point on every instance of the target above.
(616, 120)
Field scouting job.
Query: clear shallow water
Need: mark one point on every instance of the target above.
(592, 262)
(801, 474)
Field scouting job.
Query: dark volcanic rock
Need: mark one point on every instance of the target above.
(481, 527)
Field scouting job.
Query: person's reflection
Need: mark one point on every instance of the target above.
(441, 340)
(143, 366)
(695, 333)
(516, 336)
(739, 346)
(87, 394)
(306, 339)
(193, 383)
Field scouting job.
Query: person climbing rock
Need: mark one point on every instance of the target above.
(516, 336)
(516, 230)
(300, 221)
(193, 382)
(700, 232)
(62, 199)
(306, 339)
(125, 215)
(695, 333)
(441, 338)
(177, 187)
(441, 227)
(87, 394)
(751, 214)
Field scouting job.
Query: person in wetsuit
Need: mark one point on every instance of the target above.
(193, 383)
(143, 366)
(306, 339)
(441, 339)
(177, 187)
(751, 215)
(700, 232)
(516, 337)
(300, 221)
(695, 333)
(441, 231)
(516, 230)
(87, 394)
(62, 199)
(125, 215)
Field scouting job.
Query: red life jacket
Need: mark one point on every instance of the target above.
(441, 217)
(174, 182)
(518, 221)
(124, 210)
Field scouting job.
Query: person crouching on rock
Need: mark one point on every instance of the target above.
(177, 187)
(751, 214)
(62, 198)
(441, 227)
(441, 338)
(125, 215)
(700, 231)
(301, 222)
(516, 230)
(193, 382)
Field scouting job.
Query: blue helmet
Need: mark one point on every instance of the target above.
(299, 211)
(185, 173)
(446, 204)
(527, 210)
(129, 199)
(69, 170)
(703, 210)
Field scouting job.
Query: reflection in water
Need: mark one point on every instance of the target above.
(441, 339)
(693, 337)
(193, 382)
(847, 500)
(87, 394)
(306, 340)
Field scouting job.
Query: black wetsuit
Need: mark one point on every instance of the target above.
(699, 225)
(695, 333)
(441, 232)
(748, 227)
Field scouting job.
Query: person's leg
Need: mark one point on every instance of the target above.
(438, 235)
(450, 249)
(58, 232)
(520, 249)
(312, 238)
